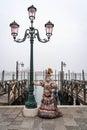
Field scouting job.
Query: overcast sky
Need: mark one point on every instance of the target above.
(68, 42)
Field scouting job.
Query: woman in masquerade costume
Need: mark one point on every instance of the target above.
(48, 108)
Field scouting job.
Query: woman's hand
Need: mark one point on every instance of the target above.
(33, 82)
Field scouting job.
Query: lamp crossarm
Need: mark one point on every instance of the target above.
(28, 33)
(38, 37)
(24, 38)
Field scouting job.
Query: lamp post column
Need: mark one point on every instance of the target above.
(31, 103)
(31, 64)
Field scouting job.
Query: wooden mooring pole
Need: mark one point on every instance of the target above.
(3, 75)
(17, 70)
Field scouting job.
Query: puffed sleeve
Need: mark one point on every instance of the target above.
(54, 85)
(42, 83)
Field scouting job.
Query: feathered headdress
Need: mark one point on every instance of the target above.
(49, 71)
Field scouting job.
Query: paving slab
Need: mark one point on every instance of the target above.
(74, 118)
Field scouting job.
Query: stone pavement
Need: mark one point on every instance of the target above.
(74, 118)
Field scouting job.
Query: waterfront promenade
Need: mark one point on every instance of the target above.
(74, 118)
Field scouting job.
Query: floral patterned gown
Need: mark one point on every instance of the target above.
(48, 107)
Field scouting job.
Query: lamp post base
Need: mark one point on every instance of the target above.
(31, 102)
(30, 112)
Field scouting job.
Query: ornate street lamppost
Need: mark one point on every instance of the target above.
(31, 33)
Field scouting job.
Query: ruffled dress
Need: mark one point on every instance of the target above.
(48, 108)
